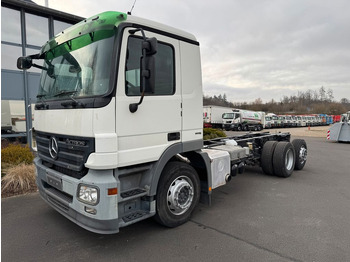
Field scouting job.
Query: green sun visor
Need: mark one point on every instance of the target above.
(95, 28)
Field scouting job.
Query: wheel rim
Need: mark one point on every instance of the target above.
(289, 159)
(180, 195)
(302, 154)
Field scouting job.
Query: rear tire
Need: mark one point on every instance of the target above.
(283, 159)
(300, 153)
(267, 156)
(177, 195)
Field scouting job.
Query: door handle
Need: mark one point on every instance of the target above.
(174, 136)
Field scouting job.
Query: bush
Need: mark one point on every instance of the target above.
(18, 180)
(211, 133)
(16, 154)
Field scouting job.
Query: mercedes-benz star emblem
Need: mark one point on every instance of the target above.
(53, 148)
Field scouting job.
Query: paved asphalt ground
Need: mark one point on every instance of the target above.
(253, 218)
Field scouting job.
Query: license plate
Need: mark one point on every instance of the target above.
(54, 181)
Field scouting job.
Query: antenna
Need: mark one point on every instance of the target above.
(129, 13)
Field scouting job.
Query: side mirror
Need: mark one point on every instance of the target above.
(148, 74)
(150, 45)
(148, 65)
(24, 62)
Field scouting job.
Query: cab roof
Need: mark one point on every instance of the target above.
(108, 21)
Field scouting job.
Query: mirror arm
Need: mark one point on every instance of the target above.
(134, 106)
(40, 67)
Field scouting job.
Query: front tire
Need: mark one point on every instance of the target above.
(177, 195)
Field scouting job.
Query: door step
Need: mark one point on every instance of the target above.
(134, 192)
(135, 217)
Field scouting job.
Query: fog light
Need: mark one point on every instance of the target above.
(88, 194)
(91, 210)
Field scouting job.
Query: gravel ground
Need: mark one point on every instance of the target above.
(314, 131)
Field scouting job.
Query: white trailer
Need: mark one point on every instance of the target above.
(212, 115)
(340, 131)
(119, 140)
(244, 120)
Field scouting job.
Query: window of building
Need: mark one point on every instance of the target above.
(9, 55)
(60, 26)
(165, 65)
(37, 29)
(10, 25)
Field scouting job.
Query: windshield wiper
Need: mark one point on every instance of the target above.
(65, 92)
(43, 104)
(73, 103)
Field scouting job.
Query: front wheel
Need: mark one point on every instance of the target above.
(177, 195)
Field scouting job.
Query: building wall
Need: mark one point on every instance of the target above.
(25, 26)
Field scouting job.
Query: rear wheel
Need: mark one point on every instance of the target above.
(177, 195)
(267, 156)
(283, 159)
(300, 153)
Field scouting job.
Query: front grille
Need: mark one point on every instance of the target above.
(71, 156)
(64, 207)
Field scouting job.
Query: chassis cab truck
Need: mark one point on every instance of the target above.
(118, 126)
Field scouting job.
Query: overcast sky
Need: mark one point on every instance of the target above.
(253, 48)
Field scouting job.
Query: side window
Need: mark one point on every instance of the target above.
(165, 68)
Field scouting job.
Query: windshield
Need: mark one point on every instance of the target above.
(267, 118)
(274, 118)
(77, 69)
(228, 115)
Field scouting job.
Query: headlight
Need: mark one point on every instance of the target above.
(88, 194)
(34, 147)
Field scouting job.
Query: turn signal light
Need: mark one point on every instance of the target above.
(112, 191)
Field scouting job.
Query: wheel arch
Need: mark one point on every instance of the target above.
(192, 152)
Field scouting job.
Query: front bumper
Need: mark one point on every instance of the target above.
(230, 126)
(60, 192)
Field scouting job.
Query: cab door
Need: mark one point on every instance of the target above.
(145, 134)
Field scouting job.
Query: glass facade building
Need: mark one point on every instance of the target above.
(25, 27)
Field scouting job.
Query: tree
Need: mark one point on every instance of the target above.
(330, 95)
(344, 101)
(322, 92)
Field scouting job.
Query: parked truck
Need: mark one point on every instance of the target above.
(118, 126)
(243, 120)
(13, 121)
(213, 115)
(340, 131)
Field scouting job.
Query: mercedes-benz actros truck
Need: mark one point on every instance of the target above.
(118, 126)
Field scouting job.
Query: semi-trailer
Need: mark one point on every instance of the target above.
(213, 115)
(243, 120)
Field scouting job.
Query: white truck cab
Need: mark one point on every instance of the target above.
(118, 126)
